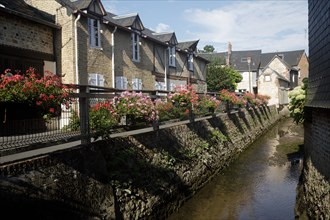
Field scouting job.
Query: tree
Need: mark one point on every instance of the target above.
(221, 77)
(209, 48)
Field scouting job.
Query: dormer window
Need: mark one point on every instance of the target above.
(191, 62)
(136, 47)
(244, 59)
(171, 56)
(94, 32)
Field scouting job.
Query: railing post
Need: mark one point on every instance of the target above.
(191, 114)
(84, 115)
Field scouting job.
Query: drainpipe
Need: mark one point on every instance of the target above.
(76, 47)
(113, 56)
(165, 62)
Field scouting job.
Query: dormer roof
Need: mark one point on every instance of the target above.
(131, 21)
(94, 7)
(190, 46)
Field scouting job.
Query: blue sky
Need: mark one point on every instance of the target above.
(271, 26)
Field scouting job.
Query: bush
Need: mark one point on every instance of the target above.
(297, 103)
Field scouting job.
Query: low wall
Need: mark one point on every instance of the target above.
(144, 176)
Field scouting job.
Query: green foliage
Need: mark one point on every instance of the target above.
(208, 48)
(46, 93)
(222, 77)
(218, 136)
(102, 118)
(74, 122)
(297, 103)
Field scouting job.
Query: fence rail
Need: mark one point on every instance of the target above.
(26, 134)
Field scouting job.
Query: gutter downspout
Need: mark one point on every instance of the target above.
(165, 62)
(76, 47)
(113, 56)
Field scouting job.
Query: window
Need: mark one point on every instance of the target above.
(244, 59)
(191, 62)
(94, 32)
(171, 56)
(137, 84)
(95, 79)
(136, 47)
(267, 78)
(121, 82)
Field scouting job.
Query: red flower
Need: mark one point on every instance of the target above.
(51, 110)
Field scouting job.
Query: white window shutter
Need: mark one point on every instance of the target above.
(100, 80)
(124, 82)
(157, 86)
(135, 84)
(92, 79)
(140, 84)
(171, 86)
(119, 82)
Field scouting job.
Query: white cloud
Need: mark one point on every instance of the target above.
(163, 28)
(266, 25)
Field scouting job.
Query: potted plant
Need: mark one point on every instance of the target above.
(30, 96)
(136, 107)
(229, 98)
(184, 100)
(208, 103)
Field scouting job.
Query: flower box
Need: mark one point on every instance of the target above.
(19, 119)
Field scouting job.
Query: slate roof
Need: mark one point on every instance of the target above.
(290, 57)
(188, 45)
(20, 8)
(125, 20)
(236, 59)
(78, 4)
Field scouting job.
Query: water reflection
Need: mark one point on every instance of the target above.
(260, 184)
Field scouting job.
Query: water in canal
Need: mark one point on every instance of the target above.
(260, 184)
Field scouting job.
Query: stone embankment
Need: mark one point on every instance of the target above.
(145, 176)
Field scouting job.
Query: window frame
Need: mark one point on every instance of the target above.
(172, 56)
(191, 62)
(136, 47)
(94, 33)
(267, 78)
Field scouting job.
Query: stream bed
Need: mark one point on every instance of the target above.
(260, 184)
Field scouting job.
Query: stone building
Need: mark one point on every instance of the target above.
(26, 37)
(296, 59)
(277, 78)
(314, 190)
(99, 48)
(247, 63)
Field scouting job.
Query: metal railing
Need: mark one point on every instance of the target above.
(71, 124)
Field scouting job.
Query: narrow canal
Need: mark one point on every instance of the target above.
(260, 184)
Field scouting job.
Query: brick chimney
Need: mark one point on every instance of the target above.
(228, 54)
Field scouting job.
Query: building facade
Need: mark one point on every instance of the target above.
(313, 192)
(99, 48)
(26, 38)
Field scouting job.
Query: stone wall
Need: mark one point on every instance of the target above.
(144, 176)
(25, 34)
(314, 189)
